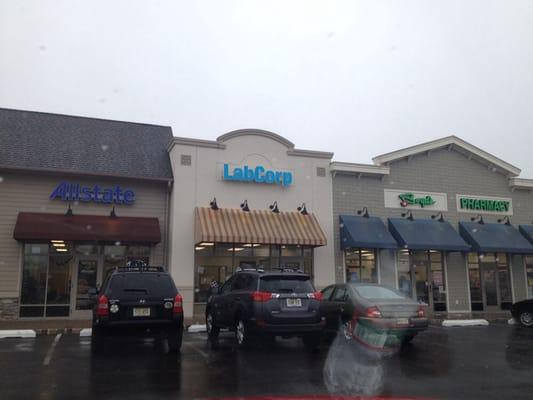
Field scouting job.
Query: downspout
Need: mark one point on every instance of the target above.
(167, 227)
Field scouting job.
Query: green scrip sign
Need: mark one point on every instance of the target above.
(467, 203)
(407, 199)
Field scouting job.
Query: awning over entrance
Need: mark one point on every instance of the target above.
(43, 226)
(367, 232)
(228, 225)
(527, 231)
(490, 237)
(426, 234)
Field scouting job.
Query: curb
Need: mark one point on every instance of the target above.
(465, 322)
(17, 333)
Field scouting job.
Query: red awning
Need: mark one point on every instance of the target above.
(43, 226)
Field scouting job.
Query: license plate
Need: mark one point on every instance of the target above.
(141, 312)
(402, 321)
(294, 302)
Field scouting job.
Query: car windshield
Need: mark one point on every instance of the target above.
(377, 292)
(286, 284)
(133, 284)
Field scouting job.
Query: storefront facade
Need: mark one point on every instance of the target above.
(460, 218)
(74, 204)
(247, 199)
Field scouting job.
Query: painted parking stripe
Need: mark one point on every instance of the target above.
(202, 353)
(51, 350)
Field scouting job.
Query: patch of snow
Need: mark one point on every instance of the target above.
(86, 332)
(17, 333)
(465, 322)
(197, 329)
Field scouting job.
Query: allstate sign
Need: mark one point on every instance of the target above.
(67, 191)
(257, 174)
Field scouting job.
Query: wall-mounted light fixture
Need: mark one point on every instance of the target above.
(439, 217)
(302, 209)
(274, 207)
(69, 212)
(408, 215)
(213, 204)
(478, 218)
(244, 206)
(505, 220)
(363, 212)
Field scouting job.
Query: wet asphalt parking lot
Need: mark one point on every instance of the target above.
(494, 362)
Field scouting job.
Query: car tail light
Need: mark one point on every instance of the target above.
(421, 313)
(315, 295)
(261, 297)
(373, 312)
(178, 304)
(102, 310)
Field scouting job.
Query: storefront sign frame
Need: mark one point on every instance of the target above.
(474, 204)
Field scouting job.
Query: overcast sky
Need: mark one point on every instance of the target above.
(359, 78)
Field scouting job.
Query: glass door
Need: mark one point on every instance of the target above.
(86, 273)
(429, 283)
(489, 278)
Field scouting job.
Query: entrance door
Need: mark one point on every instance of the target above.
(85, 277)
(427, 271)
(489, 282)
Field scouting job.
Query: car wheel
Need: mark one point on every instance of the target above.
(212, 330)
(311, 341)
(526, 318)
(241, 333)
(175, 337)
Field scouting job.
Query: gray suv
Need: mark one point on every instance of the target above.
(256, 304)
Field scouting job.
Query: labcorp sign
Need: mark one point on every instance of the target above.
(257, 174)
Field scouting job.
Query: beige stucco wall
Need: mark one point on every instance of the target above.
(197, 184)
(30, 192)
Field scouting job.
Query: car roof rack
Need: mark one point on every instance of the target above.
(249, 268)
(285, 269)
(145, 268)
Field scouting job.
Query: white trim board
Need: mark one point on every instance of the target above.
(446, 142)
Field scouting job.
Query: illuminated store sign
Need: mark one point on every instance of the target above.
(257, 174)
(484, 204)
(67, 191)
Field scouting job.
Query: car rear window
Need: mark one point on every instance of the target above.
(135, 284)
(286, 284)
(377, 292)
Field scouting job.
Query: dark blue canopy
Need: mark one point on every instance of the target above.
(494, 237)
(426, 234)
(369, 232)
(527, 231)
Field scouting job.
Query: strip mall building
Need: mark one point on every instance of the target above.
(445, 222)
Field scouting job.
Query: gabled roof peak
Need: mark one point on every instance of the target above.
(450, 142)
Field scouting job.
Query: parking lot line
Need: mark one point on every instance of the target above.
(50, 351)
(202, 353)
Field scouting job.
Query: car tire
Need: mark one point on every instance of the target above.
(242, 333)
(97, 339)
(312, 341)
(212, 330)
(175, 337)
(526, 318)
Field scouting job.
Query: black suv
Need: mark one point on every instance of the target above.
(138, 300)
(253, 302)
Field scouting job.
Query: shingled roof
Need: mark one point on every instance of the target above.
(52, 142)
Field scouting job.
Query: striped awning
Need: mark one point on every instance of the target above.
(228, 225)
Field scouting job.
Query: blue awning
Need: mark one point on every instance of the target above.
(368, 232)
(527, 231)
(494, 237)
(426, 234)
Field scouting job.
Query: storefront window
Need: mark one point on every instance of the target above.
(529, 276)
(46, 278)
(215, 262)
(360, 265)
